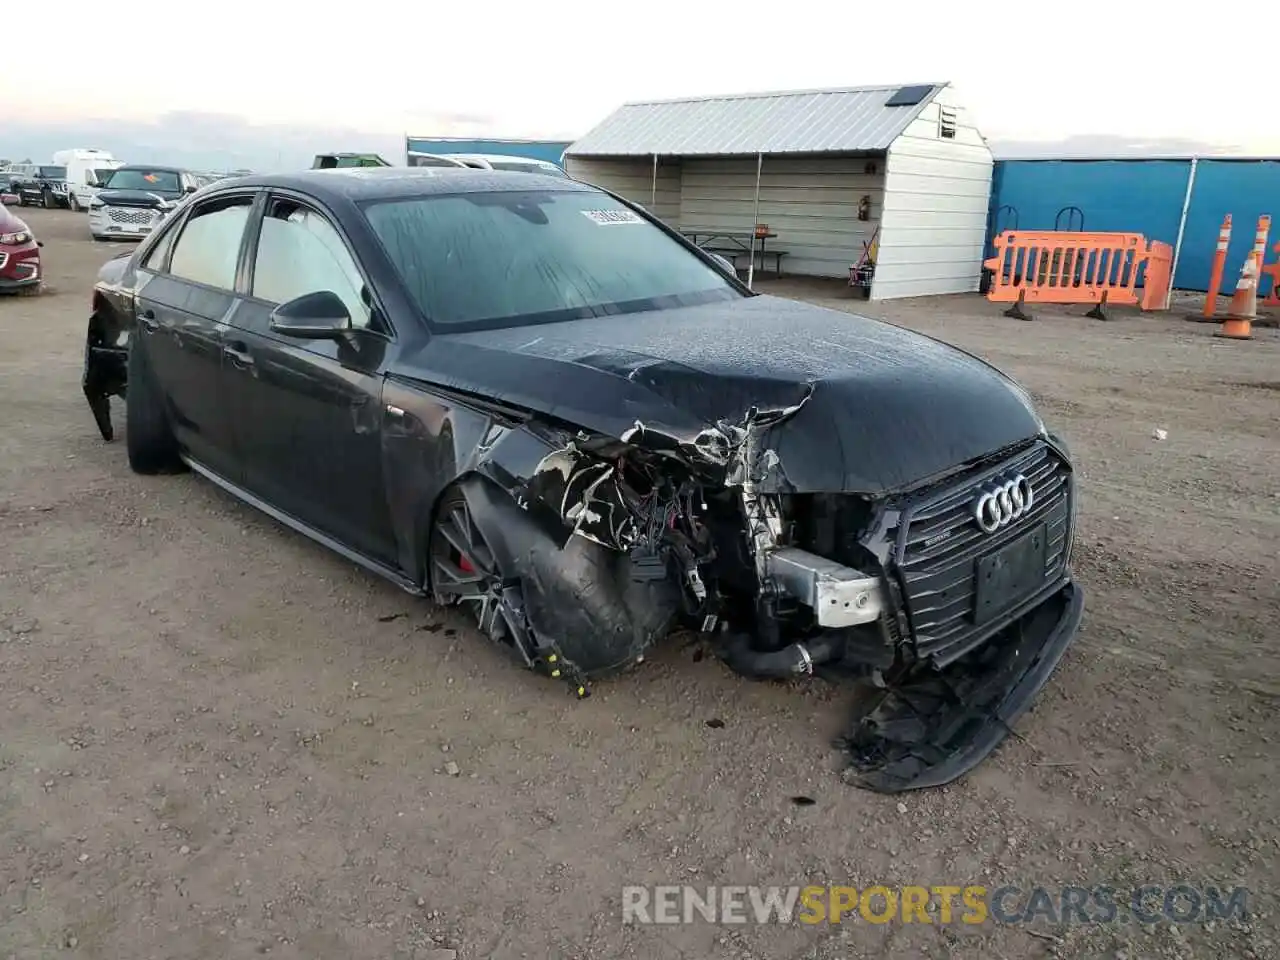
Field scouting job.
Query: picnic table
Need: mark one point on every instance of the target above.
(736, 244)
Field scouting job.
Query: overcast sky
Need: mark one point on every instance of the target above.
(552, 69)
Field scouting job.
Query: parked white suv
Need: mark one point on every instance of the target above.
(135, 199)
(485, 161)
(497, 161)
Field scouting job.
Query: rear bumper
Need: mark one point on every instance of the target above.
(929, 727)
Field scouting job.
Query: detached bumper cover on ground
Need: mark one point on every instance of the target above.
(928, 729)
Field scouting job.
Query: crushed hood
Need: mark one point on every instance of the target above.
(886, 407)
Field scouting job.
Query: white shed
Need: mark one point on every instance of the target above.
(899, 172)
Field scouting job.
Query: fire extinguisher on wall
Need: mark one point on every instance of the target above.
(864, 207)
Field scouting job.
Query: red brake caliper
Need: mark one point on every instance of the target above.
(465, 565)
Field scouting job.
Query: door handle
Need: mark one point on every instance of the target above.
(238, 354)
(147, 320)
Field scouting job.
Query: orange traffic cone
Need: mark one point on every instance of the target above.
(1238, 323)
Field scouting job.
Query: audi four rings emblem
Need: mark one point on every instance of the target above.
(999, 506)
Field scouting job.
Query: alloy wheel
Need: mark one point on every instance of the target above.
(464, 571)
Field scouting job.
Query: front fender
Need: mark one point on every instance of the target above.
(431, 439)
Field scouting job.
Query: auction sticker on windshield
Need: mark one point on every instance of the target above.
(607, 217)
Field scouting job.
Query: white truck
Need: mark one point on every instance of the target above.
(85, 171)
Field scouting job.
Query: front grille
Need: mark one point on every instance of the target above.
(938, 551)
(130, 215)
(4, 258)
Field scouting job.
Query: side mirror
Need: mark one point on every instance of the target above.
(191, 188)
(312, 316)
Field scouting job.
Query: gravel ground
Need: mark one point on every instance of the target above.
(219, 740)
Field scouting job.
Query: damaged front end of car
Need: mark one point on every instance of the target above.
(949, 628)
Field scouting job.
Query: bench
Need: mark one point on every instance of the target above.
(733, 253)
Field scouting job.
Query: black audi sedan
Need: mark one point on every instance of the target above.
(526, 396)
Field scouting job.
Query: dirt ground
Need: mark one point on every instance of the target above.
(217, 740)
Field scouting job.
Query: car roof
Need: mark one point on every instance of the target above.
(384, 183)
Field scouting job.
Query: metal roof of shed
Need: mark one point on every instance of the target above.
(850, 120)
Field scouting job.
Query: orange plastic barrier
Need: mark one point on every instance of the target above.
(1272, 270)
(1103, 269)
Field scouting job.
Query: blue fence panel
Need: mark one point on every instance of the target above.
(1243, 188)
(1145, 196)
(1121, 196)
(551, 150)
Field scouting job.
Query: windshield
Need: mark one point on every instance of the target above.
(52, 173)
(140, 178)
(525, 167)
(506, 259)
(101, 174)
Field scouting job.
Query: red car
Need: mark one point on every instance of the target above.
(19, 254)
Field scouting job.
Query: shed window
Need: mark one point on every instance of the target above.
(946, 123)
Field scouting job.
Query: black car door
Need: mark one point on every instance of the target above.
(182, 311)
(307, 413)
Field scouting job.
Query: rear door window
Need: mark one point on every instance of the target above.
(208, 248)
